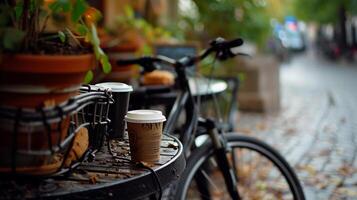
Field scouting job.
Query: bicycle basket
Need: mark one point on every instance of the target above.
(53, 140)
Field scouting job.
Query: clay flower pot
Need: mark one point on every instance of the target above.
(120, 73)
(131, 42)
(36, 80)
(32, 81)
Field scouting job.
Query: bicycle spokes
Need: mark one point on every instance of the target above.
(258, 178)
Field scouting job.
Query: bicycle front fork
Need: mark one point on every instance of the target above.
(220, 146)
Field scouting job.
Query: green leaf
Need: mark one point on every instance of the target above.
(106, 66)
(61, 6)
(62, 36)
(89, 77)
(94, 36)
(82, 29)
(12, 38)
(94, 39)
(79, 8)
(18, 10)
(99, 53)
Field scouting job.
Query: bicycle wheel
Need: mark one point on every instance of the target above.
(261, 171)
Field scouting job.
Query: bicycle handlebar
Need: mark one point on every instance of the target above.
(220, 46)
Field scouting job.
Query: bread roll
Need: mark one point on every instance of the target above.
(158, 77)
(80, 145)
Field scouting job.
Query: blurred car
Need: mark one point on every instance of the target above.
(291, 35)
(287, 38)
(292, 40)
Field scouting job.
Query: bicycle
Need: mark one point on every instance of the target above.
(220, 160)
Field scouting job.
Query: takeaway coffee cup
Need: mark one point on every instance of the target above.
(117, 111)
(145, 130)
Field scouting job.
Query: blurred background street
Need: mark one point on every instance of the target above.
(316, 126)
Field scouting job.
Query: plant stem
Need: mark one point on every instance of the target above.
(44, 24)
(35, 25)
(25, 14)
(78, 43)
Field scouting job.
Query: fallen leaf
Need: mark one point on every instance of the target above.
(172, 145)
(309, 169)
(93, 179)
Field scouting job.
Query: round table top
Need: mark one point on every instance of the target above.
(106, 177)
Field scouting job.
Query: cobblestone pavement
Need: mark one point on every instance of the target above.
(316, 128)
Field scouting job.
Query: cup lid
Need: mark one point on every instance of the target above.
(145, 116)
(116, 86)
(94, 88)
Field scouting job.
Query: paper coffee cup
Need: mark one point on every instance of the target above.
(117, 111)
(145, 131)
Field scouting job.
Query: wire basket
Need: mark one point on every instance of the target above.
(53, 140)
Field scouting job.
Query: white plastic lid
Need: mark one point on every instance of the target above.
(145, 116)
(94, 88)
(116, 86)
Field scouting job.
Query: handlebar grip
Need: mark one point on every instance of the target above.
(223, 47)
(234, 43)
(221, 43)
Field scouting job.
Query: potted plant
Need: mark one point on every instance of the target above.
(130, 35)
(38, 66)
(47, 50)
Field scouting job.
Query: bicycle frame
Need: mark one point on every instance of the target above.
(185, 100)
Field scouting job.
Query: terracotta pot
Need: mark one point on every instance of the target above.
(130, 42)
(124, 48)
(33, 80)
(120, 73)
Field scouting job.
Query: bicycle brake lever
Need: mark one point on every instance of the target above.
(224, 54)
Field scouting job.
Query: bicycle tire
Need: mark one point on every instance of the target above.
(200, 155)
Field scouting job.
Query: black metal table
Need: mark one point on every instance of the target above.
(105, 177)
